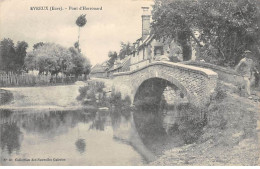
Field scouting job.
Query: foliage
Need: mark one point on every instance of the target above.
(80, 22)
(12, 57)
(94, 94)
(225, 28)
(20, 51)
(49, 58)
(112, 57)
(125, 50)
(79, 64)
(52, 58)
(35, 46)
(219, 94)
(7, 54)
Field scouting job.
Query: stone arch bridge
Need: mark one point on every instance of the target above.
(196, 83)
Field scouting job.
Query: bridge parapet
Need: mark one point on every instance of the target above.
(197, 83)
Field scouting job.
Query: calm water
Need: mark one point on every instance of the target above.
(81, 137)
(32, 134)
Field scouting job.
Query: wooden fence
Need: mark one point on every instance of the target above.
(26, 79)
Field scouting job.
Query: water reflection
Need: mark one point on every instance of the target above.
(11, 137)
(81, 145)
(82, 137)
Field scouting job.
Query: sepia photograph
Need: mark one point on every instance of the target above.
(129, 82)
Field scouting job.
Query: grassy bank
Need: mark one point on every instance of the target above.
(230, 136)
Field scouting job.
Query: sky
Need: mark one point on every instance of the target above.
(119, 20)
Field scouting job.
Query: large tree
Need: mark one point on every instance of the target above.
(20, 54)
(49, 58)
(53, 58)
(79, 64)
(12, 57)
(7, 54)
(225, 28)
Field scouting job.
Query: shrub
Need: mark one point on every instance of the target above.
(219, 94)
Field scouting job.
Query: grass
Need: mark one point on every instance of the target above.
(230, 136)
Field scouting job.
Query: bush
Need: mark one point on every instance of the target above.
(93, 94)
(219, 94)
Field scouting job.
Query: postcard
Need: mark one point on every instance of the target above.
(129, 83)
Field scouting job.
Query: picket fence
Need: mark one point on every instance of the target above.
(25, 79)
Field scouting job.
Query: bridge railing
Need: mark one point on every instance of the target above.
(206, 72)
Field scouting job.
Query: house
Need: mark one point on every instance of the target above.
(100, 70)
(147, 49)
(120, 66)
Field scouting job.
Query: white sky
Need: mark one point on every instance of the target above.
(120, 20)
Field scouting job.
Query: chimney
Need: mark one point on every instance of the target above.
(145, 22)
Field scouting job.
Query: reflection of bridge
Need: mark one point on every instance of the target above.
(196, 84)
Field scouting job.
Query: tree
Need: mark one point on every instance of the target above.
(30, 61)
(87, 67)
(20, 54)
(79, 64)
(35, 46)
(225, 28)
(125, 50)
(12, 57)
(53, 58)
(81, 21)
(7, 54)
(170, 21)
(112, 57)
(49, 58)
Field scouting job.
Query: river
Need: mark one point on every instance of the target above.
(41, 130)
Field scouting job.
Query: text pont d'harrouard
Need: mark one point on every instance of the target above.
(60, 8)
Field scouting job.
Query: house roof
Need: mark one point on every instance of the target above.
(99, 68)
(147, 40)
(141, 44)
(123, 64)
(126, 64)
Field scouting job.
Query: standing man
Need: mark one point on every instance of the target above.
(245, 69)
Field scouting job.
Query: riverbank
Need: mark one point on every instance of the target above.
(45, 97)
(229, 138)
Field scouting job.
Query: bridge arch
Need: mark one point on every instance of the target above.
(159, 83)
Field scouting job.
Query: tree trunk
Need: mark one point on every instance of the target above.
(184, 40)
(78, 40)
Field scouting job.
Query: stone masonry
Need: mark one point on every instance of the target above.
(196, 83)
